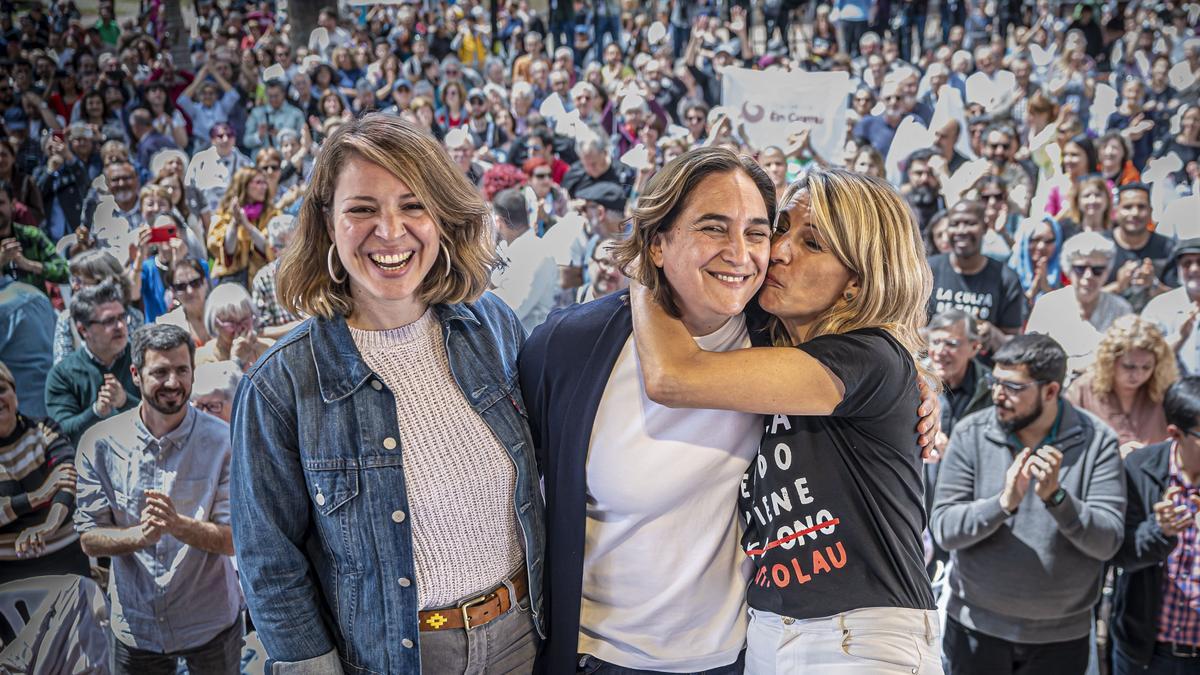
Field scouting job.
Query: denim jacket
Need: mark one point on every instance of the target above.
(324, 545)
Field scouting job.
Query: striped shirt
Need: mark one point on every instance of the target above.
(27, 456)
(1179, 616)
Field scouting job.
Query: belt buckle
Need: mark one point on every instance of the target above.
(1184, 651)
(471, 603)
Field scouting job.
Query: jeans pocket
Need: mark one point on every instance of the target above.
(897, 649)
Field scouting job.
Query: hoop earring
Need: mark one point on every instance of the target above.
(329, 261)
(447, 252)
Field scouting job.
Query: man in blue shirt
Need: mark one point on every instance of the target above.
(26, 342)
(879, 130)
(267, 120)
(153, 493)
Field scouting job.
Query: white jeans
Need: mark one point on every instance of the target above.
(875, 640)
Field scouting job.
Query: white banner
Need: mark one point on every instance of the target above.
(770, 104)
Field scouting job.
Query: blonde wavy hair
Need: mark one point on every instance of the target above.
(461, 274)
(871, 230)
(1126, 334)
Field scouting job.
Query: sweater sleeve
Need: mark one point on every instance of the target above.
(72, 416)
(958, 519)
(1096, 524)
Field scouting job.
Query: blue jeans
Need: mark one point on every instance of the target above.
(590, 665)
(1161, 663)
(221, 655)
(506, 644)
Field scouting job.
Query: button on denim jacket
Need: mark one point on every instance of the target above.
(319, 499)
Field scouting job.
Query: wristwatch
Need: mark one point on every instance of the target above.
(1057, 498)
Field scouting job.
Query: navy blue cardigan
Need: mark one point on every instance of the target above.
(565, 365)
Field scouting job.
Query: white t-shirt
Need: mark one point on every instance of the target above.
(664, 579)
(1057, 314)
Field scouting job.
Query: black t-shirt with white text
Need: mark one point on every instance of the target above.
(834, 505)
(993, 294)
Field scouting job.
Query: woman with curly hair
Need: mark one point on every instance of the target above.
(1125, 386)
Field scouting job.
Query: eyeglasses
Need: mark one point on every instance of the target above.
(119, 319)
(940, 343)
(1096, 270)
(214, 408)
(270, 168)
(1009, 387)
(185, 286)
(996, 146)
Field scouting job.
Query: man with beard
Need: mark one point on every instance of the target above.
(1030, 503)
(998, 147)
(93, 382)
(921, 188)
(966, 279)
(153, 493)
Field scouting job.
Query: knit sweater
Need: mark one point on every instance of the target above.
(73, 385)
(459, 477)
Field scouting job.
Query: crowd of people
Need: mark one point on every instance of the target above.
(438, 338)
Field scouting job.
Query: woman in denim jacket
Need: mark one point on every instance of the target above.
(384, 486)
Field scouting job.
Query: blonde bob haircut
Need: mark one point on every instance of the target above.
(665, 196)
(869, 227)
(1126, 334)
(461, 274)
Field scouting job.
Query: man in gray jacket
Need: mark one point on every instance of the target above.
(1030, 503)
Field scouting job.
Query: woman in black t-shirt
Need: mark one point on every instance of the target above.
(833, 503)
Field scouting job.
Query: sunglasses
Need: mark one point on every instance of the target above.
(1096, 270)
(539, 174)
(992, 197)
(185, 286)
(222, 134)
(270, 168)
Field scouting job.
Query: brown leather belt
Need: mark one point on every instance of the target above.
(476, 611)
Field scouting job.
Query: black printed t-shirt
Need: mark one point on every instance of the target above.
(993, 294)
(834, 505)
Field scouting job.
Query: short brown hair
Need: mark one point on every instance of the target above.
(665, 197)
(413, 156)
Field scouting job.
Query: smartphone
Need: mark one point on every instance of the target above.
(162, 234)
